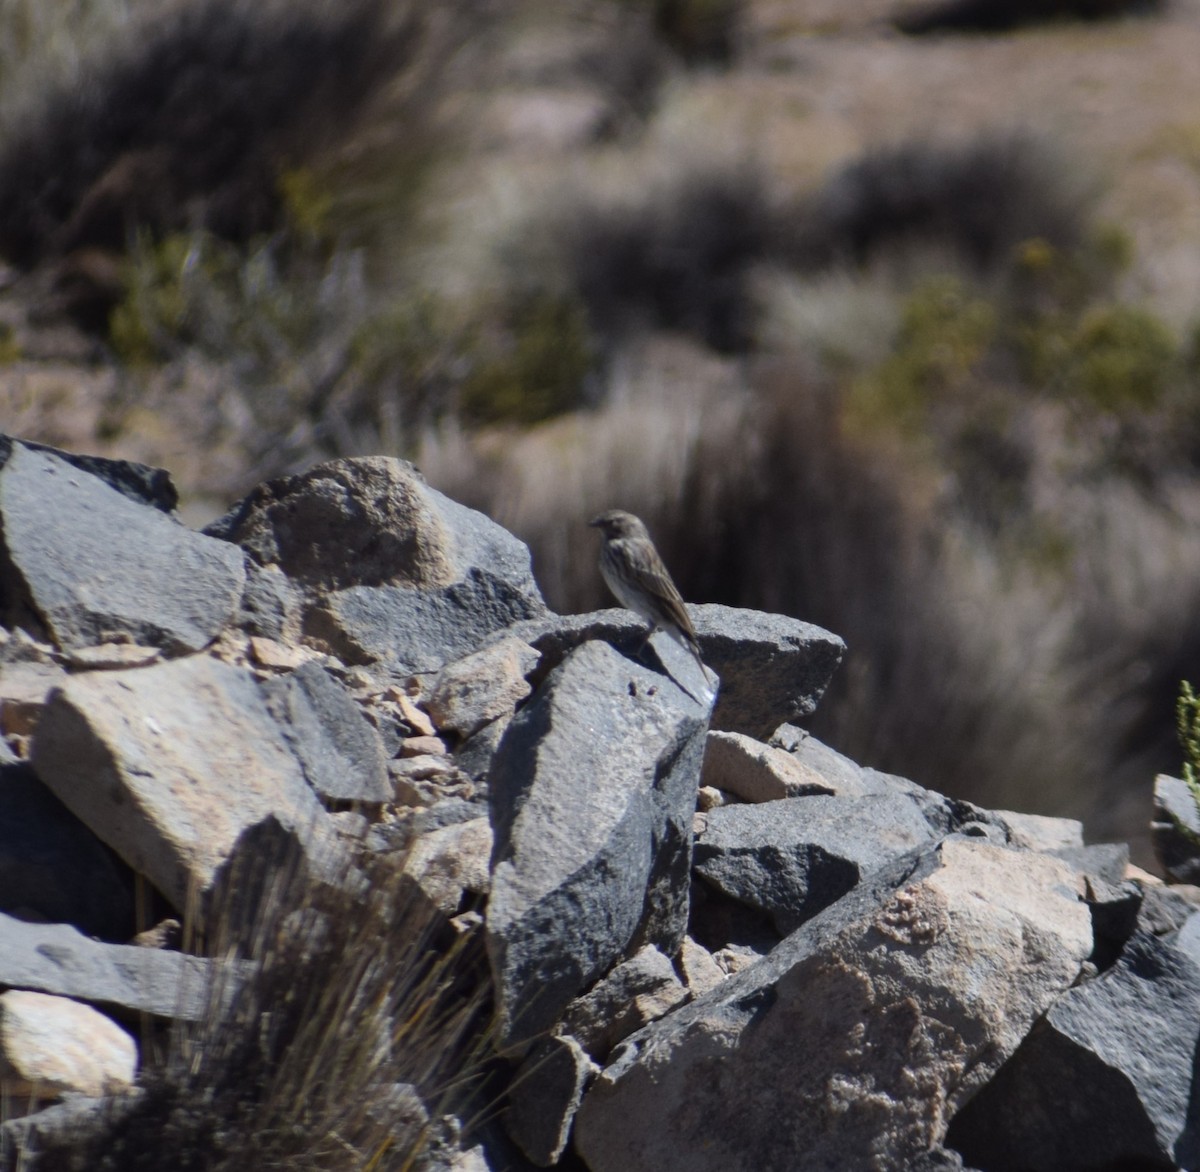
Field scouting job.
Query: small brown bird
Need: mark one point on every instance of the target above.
(635, 573)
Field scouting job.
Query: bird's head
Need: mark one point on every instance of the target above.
(617, 523)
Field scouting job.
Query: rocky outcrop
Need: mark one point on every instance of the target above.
(704, 938)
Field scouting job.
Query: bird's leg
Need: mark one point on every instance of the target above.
(647, 635)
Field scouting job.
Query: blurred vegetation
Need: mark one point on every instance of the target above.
(1187, 716)
(1002, 15)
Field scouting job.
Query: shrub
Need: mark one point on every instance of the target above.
(677, 259)
(354, 991)
(999, 15)
(187, 121)
(537, 366)
(945, 331)
(981, 199)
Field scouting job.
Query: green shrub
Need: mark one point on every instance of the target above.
(945, 331)
(1119, 358)
(1187, 718)
(536, 365)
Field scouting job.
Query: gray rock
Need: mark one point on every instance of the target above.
(793, 858)
(54, 868)
(1175, 829)
(373, 521)
(52, 1045)
(592, 795)
(55, 958)
(409, 630)
(270, 606)
(337, 747)
(772, 668)
(139, 482)
(475, 755)
(826, 766)
(169, 764)
(94, 566)
(1164, 909)
(1105, 1081)
(853, 1043)
(1103, 862)
(70, 1124)
(544, 1096)
(638, 991)
(479, 688)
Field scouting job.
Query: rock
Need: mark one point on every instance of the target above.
(372, 521)
(1175, 829)
(708, 797)
(55, 958)
(1037, 832)
(592, 794)
(53, 867)
(699, 971)
(637, 991)
(772, 668)
(277, 656)
(824, 766)
(426, 780)
(544, 1097)
(1099, 862)
(111, 657)
(23, 689)
(1126, 1042)
(387, 570)
(423, 747)
(410, 630)
(271, 606)
(139, 482)
(417, 720)
(1164, 909)
(793, 858)
(337, 747)
(755, 772)
(93, 565)
(476, 754)
(853, 1043)
(51, 1045)
(169, 764)
(479, 688)
(450, 862)
(71, 1124)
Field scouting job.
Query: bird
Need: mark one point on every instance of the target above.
(633, 570)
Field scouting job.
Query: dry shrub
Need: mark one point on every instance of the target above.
(978, 198)
(363, 1024)
(1001, 15)
(187, 118)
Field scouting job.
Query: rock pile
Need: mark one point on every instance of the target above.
(711, 941)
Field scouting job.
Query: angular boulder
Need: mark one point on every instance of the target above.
(94, 566)
(592, 794)
(794, 857)
(52, 1045)
(387, 569)
(855, 1040)
(170, 764)
(1123, 1046)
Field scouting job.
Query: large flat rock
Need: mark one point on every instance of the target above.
(55, 958)
(95, 566)
(170, 764)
